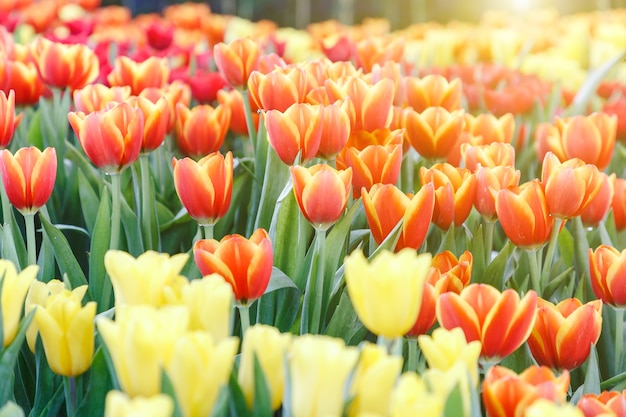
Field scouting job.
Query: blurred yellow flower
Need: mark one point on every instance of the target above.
(270, 347)
(14, 289)
(118, 404)
(143, 280)
(141, 341)
(411, 398)
(67, 333)
(387, 293)
(319, 369)
(547, 408)
(198, 369)
(442, 383)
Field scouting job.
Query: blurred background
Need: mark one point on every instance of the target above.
(401, 13)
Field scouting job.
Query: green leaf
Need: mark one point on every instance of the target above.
(99, 384)
(92, 174)
(47, 265)
(132, 230)
(49, 395)
(220, 409)
(238, 405)
(168, 389)
(279, 280)
(592, 373)
(11, 409)
(8, 358)
(566, 246)
(275, 181)
(64, 255)
(494, 274)
(108, 360)
(35, 137)
(337, 239)
(345, 323)
(89, 201)
(262, 397)
(99, 282)
(454, 403)
(557, 282)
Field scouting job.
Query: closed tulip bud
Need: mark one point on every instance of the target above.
(319, 367)
(9, 121)
(111, 138)
(335, 132)
(141, 341)
(597, 209)
(142, 280)
(156, 119)
(376, 50)
(95, 97)
(493, 155)
(118, 404)
(201, 130)
(246, 264)
(175, 92)
(608, 275)
(322, 193)
(279, 89)
(14, 288)
(488, 182)
(619, 203)
(562, 333)
(433, 132)
(490, 128)
(605, 404)
(454, 274)
(480, 311)
(151, 73)
(374, 164)
(433, 90)
(23, 79)
(198, 369)
(236, 60)
(270, 348)
(411, 397)
(28, 177)
(233, 99)
(387, 292)
(205, 187)
(67, 333)
(547, 408)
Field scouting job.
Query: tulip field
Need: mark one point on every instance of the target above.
(205, 216)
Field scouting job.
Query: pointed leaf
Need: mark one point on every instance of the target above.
(8, 358)
(89, 201)
(279, 280)
(237, 400)
(99, 282)
(262, 397)
(99, 383)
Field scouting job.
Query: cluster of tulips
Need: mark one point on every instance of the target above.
(205, 216)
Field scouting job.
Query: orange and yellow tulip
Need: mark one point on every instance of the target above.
(236, 60)
(233, 99)
(95, 97)
(598, 208)
(22, 77)
(246, 264)
(156, 119)
(607, 271)
(501, 321)
(618, 204)
(433, 90)
(279, 89)
(205, 187)
(563, 332)
(490, 128)
(201, 130)
(9, 121)
(433, 132)
(524, 215)
(175, 92)
(378, 50)
(322, 193)
(151, 73)
(28, 177)
(111, 138)
(607, 403)
(335, 131)
(491, 155)
(488, 182)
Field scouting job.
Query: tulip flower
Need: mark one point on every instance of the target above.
(543, 407)
(493, 155)
(433, 132)
(319, 367)
(296, 131)
(14, 287)
(28, 177)
(67, 333)
(387, 293)
(234, 101)
(490, 128)
(598, 208)
(488, 182)
(608, 275)
(111, 138)
(64, 66)
(607, 403)
(501, 321)
(411, 397)
(198, 369)
(270, 347)
(246, 264)
(385, 205)
(205, 187)
(507, 394)
(118, 404)
(335, 132)
(236, 60)
(9, 121)
(377, 50)
(141, 341)
(279, 89)
(322, 193)
(95, 97)
(524, 215)
(201, 130)
(433, 90)
(23, 79)
(175, 92)
(618, 204)
(153, 72)
(156, 121)
(562, 333)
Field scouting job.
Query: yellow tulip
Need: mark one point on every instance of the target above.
(547, 408)
(319, 367)
(14, 289)
(412, 398)
(374, 379)
(387, 293)
(270, 347)
(142, 280)
(445, 348)
(198, 369)
(442, 383)
(118, 404)
(141, 340)
(67, 333)
(210, 303)
(38, 294)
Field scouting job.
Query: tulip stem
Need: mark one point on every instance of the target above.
(488, 231)
(318, 302)
(6, 205)
(249, 121)
(69, 386)
(31, 243)
(116, 195)
(547, 262)
(619, 338)
(146, 203)
(413, 354)
(535, 274)
(208, 230)
(244, 318)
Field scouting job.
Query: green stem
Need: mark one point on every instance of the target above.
(547, 262)
(581, 255)
(116, 209)
(413, 354)
(6, 205)
(619, 338)
(384, 343)
(69, 386)
(488, 231)
(244, 318)
(146, 203)
(208, 230)
(535, 275)
(249, 120)
(318, 301)
(31, 243)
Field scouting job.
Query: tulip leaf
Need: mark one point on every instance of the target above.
(566, 246)
(92, 175)
(11, 409)
(92, 403)
(13, 246)
(99, 282)
(238, 405)
(89, 201)
(592, 373)
(220, 408)
(35, 137)
(276, 183)
(168, 388)
(345, 323)
(132, 230)
(614, 382)
(279, 280)
(8, 358)
(262, 396)
(49, 395)
(494, 274)
(557, 282)
(336, 241)
(454, 403)
(108, 359)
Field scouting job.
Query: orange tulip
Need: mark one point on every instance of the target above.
(236, 61)
(156, 120)
(321, 192)
(455, 189)
(28, 177)
(233, 99)
(335, 132)
(153, 72)
(378, 50)
(490, 128)
(201, 130)
(95, 97)
(607, 403)
(176, 92)
(246, 264)
(590, 138)
(597, 208)
(569, 186)
(385, 205)
(389, 70)
(279, 89)
(111, 138)
(563, 333)
(22, 77)
(433, 132)
(296, 131)
(507, 394)
(618, 204)
(524, 215)
(205, 187)
(9, 121)
(488, 182)
(433, 90)
(608, 275)
(500, 321)
(491, 155)
(64, 66)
